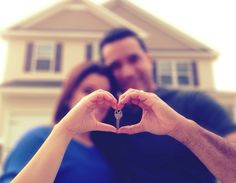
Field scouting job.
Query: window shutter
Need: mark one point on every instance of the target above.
(154, 71)
(28, 56)
(58, 57)
(89, 52)
(195, 73)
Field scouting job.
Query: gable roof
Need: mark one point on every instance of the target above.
(73, 18)
(85, 19)
(161, 35)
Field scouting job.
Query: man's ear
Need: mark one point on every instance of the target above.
(150, 58)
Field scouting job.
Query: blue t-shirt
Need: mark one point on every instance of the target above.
(80, 163)
(145, 157)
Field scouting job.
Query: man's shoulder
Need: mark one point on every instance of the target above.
(187, 97)
(169, 92)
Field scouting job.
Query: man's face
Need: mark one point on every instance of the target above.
(131, 66)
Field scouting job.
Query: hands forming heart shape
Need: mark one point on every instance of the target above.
(158, 118)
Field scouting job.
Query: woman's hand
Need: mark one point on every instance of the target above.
(85, 116)
(158, 117)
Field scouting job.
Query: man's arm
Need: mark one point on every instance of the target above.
(217, 153)
(231, 137)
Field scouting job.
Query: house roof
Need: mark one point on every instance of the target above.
(66, 19)
(161, 34)
(71, 18)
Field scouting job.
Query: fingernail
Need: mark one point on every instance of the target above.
(117, 106)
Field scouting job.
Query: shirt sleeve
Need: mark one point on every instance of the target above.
(24, 150)
(211, 115)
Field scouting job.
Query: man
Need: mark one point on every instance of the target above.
(183, 143)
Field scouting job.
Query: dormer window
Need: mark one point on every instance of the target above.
(43, 57)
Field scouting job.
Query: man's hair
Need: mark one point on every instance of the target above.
(118, 34)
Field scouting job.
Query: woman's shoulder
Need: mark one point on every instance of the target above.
(35, 135)
(40, 132)
(26, 147)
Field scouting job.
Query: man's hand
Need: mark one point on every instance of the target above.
(158, 117)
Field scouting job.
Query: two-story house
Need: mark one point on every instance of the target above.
(43, 48)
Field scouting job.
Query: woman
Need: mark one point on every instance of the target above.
(65, 152)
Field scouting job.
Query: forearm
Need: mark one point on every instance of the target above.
(218, 154)
(45, 163)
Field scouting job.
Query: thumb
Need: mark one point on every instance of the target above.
(132, 129)
(105, 127)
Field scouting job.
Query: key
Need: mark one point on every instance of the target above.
(118, 115)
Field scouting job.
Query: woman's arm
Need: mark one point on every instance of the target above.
(44, 165)
(81, 118)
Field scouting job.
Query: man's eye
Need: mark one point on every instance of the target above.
(115, 66)
(133, 59)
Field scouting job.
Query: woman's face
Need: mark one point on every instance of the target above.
(89, 84)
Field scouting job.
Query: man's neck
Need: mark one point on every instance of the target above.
(151, 87)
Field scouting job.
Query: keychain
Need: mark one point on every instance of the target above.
(118, 115)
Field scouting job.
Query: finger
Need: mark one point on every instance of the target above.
(112, 101)
(145, 100)
(103, 96)
(132, 97)
(105, 127)
(136, 102)
(113, 98)
(126, 93)
(132, 129)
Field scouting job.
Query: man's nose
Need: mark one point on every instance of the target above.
(127, 71)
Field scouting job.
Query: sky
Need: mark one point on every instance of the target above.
(208, 21)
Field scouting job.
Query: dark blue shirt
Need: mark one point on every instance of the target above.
(80, 163)
(145, 157)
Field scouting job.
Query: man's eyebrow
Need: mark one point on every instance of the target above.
(132, 55)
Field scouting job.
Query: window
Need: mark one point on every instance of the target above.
(43, 57)
(165, 73)
(176, 73)
(184, 74)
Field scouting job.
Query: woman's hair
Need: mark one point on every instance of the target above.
(73, 80)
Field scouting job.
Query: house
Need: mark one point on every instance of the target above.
(43, 48)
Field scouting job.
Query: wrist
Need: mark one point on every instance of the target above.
(184, 130)
(63, 131)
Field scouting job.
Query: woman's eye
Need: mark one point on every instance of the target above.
(88, 90)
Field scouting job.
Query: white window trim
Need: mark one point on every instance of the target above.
(175, 75)
(52, 56)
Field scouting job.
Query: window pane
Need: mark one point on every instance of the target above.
(43, 65)
(183, 80)
(44, 51)
(166, 80)
(165, 68)
(182, 67)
